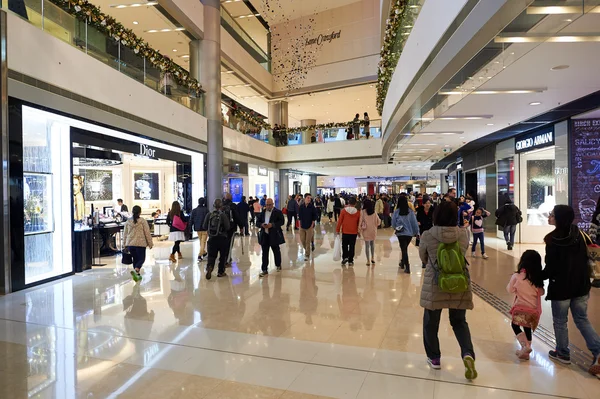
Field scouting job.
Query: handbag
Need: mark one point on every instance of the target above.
(399, 230)
(178, 223)
(284, 210)
(126, 257)
(593, 252)
(525, 316)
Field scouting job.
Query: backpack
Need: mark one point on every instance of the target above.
(452, 272)
(215, 224)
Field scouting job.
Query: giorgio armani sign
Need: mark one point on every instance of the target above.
(319, 40)
(532, 141)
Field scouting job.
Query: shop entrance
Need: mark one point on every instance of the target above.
(537, 194)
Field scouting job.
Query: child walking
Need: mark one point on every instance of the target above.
(528, 286)
(478, 231)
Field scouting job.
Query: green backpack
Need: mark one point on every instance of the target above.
(452, 272)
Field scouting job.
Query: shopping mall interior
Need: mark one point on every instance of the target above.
(386, 112)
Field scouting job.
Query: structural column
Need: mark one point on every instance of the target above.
(284, 186)
(313, 185)
(205, 65)
(307, 133)
(5, 249)
(278, 113)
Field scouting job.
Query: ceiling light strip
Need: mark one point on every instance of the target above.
(542, 38)
(576, 8)
(134, 5)
(521, 91)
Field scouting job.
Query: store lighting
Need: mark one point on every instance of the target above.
(164, 30)
(535, 103)
(134, 5)
(575, 8)
(542, 38)
(527, 91)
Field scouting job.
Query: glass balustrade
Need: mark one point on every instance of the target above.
(60, 24)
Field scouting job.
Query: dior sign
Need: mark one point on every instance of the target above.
(147, 151)
(319, 40)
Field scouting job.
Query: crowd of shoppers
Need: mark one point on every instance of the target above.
(441, 227)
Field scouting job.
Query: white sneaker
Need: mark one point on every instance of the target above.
(473, 255)
(484, 256)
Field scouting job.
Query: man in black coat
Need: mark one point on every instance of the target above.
(231, 210)
(243, 210)
(270, 221)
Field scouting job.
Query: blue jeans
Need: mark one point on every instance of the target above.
(560, 313)
(478, 236)
(509, 234)
(139, 256)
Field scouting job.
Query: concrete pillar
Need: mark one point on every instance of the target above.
(207, 66)
(313, 184)
(307, 133)
(284, 186)
(278, 113)
(5, 228)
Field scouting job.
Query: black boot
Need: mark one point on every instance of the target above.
(407, 269)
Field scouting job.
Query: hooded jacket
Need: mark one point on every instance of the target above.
(431, 296)
(566, 266)
(348, 221)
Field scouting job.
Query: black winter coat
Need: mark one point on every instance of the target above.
(566, 266)
(507, 215)
(275, 235)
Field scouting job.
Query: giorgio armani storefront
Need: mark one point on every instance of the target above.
(65, 178)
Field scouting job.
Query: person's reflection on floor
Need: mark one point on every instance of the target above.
(180, 297)
(308, 293)
(349, 301)
(369, 306)
(273, 316)
(138, 320)
(292, 246)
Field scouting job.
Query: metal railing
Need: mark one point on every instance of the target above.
(84, 37)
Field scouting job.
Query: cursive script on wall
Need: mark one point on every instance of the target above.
(319, 40)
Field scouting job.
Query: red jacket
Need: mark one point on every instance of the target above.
(348, 221)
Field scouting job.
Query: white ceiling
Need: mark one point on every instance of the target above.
(334, 105)
(384, 170)
(282, 10)
(250, 25)
(530, 69)
(149, 18)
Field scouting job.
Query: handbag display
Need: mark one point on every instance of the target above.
(178, 223)
(593, 251)
(525, 316)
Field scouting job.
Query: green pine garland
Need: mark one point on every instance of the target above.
(89, 13)
(393, 42)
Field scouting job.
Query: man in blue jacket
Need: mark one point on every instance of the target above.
(308, 215)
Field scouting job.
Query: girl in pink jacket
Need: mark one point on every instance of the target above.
(528, 286)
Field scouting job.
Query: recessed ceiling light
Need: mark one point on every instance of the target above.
(559, 67)
(568, 20)
(490, 124)
(185, 56)
(133, 5)
(174, 50)
(135, 22)
(535, 103)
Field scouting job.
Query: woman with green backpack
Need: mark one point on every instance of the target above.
(446, 285)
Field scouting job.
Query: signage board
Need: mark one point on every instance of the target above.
(585, 169)
(533, 141)
(262, 171)
(319, 40)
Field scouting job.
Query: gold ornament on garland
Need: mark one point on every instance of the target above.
(89, 13)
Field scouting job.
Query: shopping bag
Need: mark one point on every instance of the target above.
(337, 249)
(126, 257)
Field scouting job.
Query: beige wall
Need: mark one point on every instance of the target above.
(342, 58)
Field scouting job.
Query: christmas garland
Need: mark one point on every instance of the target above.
(89, 13)
(256, 121)
(391, 49)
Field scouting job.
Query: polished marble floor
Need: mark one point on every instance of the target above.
(315, 330)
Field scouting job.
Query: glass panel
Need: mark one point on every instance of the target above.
(540, 191)
(37, 201)
(506, 180)
(39, 257)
